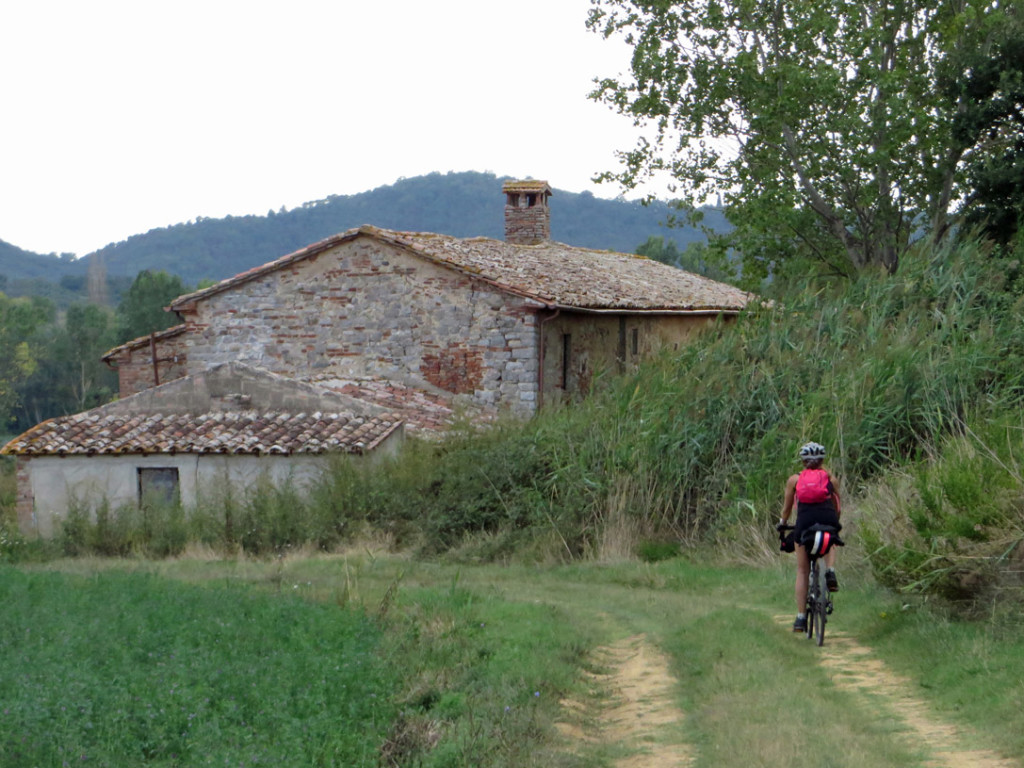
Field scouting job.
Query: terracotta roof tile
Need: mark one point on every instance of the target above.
(237, 432)
(422, 411)
(553, 274)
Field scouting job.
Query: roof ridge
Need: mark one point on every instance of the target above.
(259, 432)
(551, 273)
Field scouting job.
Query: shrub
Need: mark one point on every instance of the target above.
(959, 532)
(11, 541)
(656, 551)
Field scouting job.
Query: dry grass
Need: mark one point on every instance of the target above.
(627, 521)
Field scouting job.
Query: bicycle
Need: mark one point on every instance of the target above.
(817, 541)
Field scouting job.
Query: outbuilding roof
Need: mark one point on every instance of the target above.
(99, 432)
(553, 274)
(144, 341)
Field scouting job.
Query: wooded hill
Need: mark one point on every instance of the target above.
(466, 204)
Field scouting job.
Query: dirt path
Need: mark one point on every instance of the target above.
(854, 668)
(631, 705)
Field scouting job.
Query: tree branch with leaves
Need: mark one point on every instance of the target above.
(818, 120)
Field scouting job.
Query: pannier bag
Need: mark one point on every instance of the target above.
(819, 539)
(787, 541)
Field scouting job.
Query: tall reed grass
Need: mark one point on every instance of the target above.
(696, 446)
(952, 525)
(881, 370)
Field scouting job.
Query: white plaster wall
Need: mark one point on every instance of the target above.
(59, 483)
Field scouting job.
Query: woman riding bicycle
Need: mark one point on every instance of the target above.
(816, 494)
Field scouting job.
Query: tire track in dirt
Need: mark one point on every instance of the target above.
(854, 668)
(630, 704)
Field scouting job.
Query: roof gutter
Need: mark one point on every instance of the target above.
(640, 311)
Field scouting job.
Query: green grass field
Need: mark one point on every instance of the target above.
(375, 659)
(130, 669)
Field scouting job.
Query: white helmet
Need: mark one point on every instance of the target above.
(812, 451)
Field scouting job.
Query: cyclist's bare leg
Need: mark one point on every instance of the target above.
(803, 570)
(830, 558)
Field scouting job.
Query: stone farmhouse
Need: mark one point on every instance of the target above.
(427, 323)
(408, 328)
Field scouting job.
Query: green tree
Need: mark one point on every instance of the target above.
(141, 310)
(986, 82)
(20, 319)
(694, 258)
(819, 120)
(89, 331)
(656, 248)
(68, 374)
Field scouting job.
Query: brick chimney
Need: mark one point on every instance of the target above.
(527, 216)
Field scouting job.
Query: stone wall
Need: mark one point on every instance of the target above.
(236, 387)
(369, 309)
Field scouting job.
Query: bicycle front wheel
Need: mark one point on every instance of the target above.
(812, 599)
(818, 616)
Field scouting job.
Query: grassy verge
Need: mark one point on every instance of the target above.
(970, 671)
(482, 675)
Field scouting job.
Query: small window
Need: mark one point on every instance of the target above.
(158, 485)
(531, 199)
(635, 341)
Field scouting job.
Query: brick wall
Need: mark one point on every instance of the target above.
(368, 309)
(527, 226)
(135, 365)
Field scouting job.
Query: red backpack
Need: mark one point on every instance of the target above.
(813, 486)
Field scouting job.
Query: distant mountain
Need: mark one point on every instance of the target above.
(24, 273)
(19, 264)
(465, 204)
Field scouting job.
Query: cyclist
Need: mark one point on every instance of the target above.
(816, 494)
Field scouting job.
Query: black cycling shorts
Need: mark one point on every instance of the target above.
(823, 513)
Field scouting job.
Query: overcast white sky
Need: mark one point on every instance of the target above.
(124, 115)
